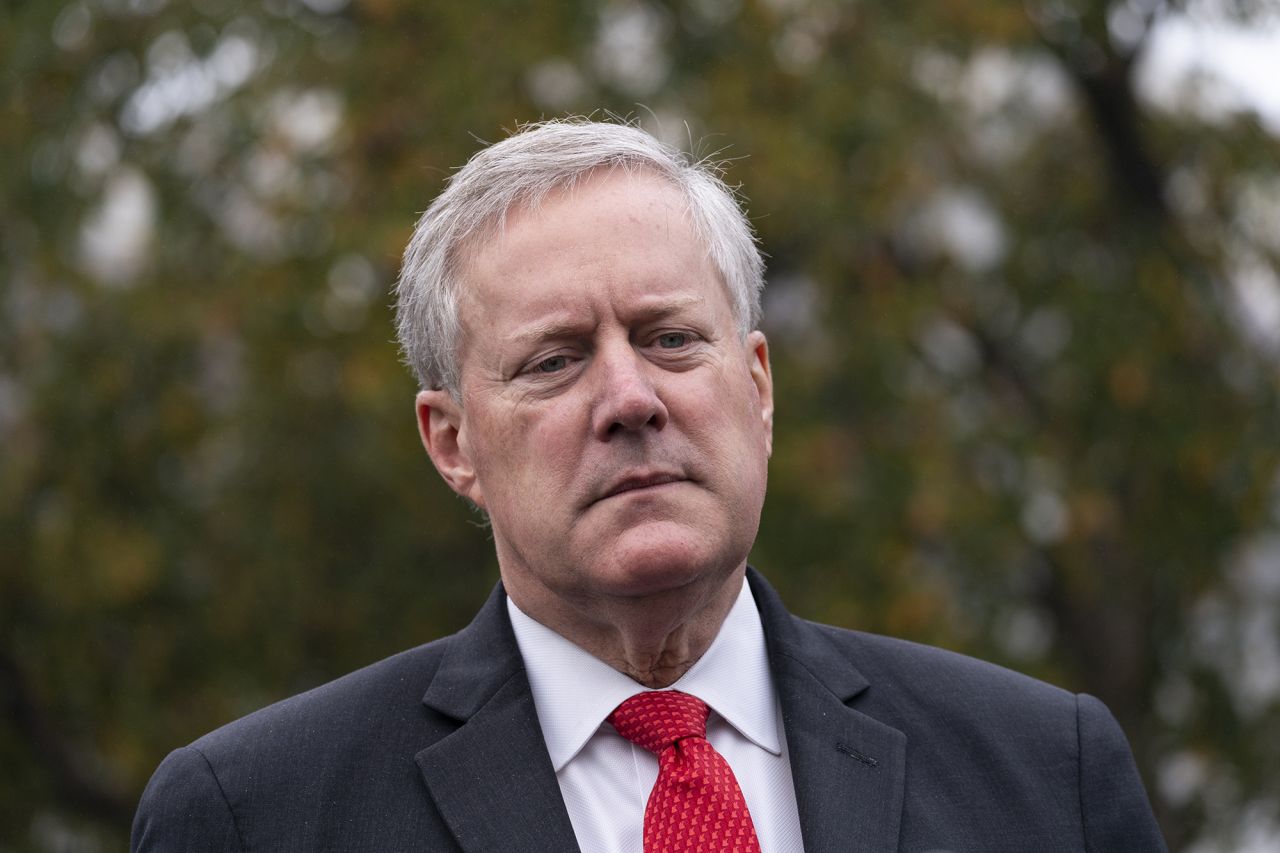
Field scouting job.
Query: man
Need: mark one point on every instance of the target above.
(580, 305)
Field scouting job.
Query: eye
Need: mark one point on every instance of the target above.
(554, 364)
(672, 340)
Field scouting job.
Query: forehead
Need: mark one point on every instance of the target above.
(614, 232)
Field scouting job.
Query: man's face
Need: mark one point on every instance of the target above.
(613, 423)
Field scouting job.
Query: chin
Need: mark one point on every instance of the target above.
(665, 557)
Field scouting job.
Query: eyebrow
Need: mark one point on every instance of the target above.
(548, 330)
(649, 310)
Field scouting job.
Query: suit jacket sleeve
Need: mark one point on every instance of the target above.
(1113, 804)
(184, 808)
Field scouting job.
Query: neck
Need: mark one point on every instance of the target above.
(653, 639)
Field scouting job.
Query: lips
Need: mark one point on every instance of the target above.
(639, 480)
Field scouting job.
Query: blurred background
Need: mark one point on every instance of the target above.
(1022, 295)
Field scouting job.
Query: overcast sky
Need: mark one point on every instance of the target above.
(1238, 66)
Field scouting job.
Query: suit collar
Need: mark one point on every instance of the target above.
(848, 769)
(479, 660)
(493, 781)
(574, 691)
(794, 642)
(491, 778)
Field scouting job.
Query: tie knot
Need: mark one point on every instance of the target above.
(657, 719)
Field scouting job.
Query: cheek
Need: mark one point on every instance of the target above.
(737, 407)
(527, 451)
(492, 449)
(546, 464)
(735, 428)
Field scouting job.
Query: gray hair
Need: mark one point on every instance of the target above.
(520, 171)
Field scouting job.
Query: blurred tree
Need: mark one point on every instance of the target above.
(1027, 373)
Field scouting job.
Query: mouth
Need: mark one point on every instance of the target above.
(640, 480)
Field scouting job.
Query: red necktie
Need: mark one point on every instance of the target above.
(696, 804)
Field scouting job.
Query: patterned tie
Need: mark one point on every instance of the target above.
(696, 804)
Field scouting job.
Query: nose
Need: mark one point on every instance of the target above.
(627, 399)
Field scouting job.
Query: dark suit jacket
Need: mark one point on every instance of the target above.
(894, 746)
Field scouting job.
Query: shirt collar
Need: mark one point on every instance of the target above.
(574, 691)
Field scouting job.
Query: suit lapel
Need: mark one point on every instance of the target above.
(493, 782)
(491, 778)
(847, 768)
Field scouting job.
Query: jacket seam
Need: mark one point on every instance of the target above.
(226, 801)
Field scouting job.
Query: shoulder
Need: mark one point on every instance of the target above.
(953, 709)
(983, 740)
(886, 669)
(369, 705)
(233, 787)
(907, 668)
(922, 691)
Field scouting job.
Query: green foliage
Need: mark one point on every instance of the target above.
(1021, 412)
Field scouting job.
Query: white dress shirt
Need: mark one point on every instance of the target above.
(605, 779)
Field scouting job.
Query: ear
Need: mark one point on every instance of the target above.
(762, 376)
(440, 424)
